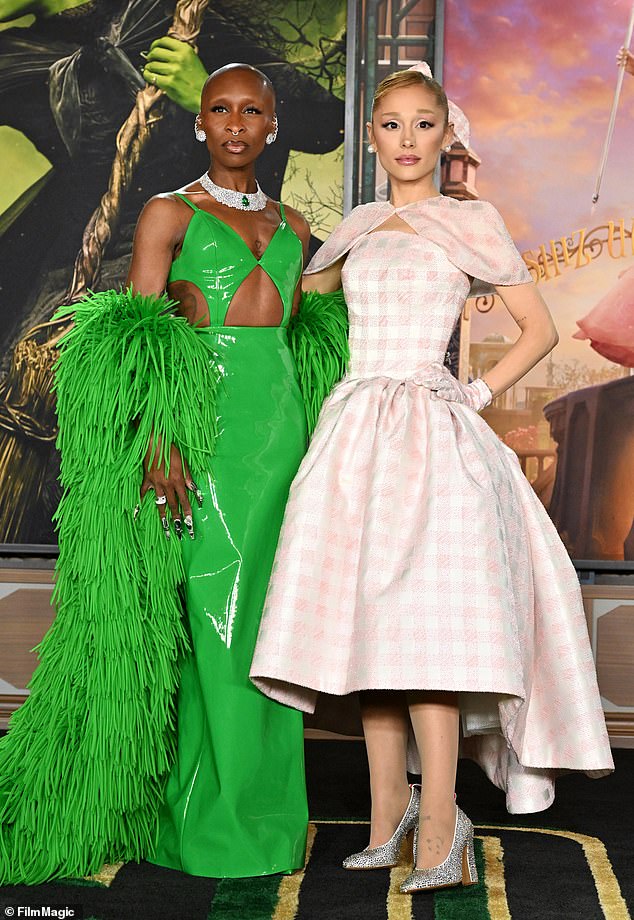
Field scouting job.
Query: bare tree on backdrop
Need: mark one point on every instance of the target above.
(319, 210)
(299, 38)
(573, 375)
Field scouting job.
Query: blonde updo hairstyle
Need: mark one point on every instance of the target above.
(404, 78)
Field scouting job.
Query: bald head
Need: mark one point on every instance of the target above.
(240, 72)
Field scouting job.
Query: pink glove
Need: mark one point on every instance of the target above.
(444, 385)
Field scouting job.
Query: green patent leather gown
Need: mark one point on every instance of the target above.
(235, 800)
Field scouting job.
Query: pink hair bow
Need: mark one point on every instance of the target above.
(457, 117)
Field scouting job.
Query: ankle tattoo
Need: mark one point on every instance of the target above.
(434, 845)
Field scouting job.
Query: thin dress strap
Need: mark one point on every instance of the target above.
(282, 212)
(187, 201)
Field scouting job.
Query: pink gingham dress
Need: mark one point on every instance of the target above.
(414, 553)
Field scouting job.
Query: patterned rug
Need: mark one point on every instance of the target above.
(573, 862)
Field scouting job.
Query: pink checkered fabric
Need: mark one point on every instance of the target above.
(471, 234)
(414, 553)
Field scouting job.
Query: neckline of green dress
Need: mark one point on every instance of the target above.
(235, 233)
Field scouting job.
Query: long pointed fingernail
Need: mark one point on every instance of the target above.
(178, 527)
(199, 495)
(166, 527)
(189, 524)
(144, 54)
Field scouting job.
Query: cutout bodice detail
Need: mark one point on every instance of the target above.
(216, 259)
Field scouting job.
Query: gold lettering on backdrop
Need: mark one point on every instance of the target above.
(542, 260)
(579, 249)
(563, 242)
(532, 266)
(549, 260)
(621, 254)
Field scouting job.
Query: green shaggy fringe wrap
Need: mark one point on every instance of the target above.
(318, 337)
(83, 766)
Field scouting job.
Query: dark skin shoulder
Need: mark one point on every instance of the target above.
(159, 234)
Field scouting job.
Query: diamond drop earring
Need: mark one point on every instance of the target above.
(272, 136)
(198, 131)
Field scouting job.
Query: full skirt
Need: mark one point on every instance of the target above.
(415, 555)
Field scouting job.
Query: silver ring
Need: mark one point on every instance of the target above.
(161, 500)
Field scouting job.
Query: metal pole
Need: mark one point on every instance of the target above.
(439, 40)
(368, 163)
(615, 105)
(351, 141)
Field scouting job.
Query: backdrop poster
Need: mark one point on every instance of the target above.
(537, 81)
(69, 75)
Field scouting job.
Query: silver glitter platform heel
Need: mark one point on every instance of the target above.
(386, 856)
(458, 868)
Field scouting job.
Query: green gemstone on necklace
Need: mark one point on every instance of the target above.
(232, 198)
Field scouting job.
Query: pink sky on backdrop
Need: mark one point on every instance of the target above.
(536, 81)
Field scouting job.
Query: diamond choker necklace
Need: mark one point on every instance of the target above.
(243, 201)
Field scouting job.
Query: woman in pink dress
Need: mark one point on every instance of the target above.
(415, 565)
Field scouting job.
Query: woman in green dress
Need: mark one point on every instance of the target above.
(142, 736)
(235, 802)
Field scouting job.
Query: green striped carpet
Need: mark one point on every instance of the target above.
(573, 862)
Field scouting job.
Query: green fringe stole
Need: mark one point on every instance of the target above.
(318, 338)
(83, 766)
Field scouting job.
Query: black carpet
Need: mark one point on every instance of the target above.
(572, 862)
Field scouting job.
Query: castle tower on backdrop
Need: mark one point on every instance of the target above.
(458, 167)
(458, 172)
